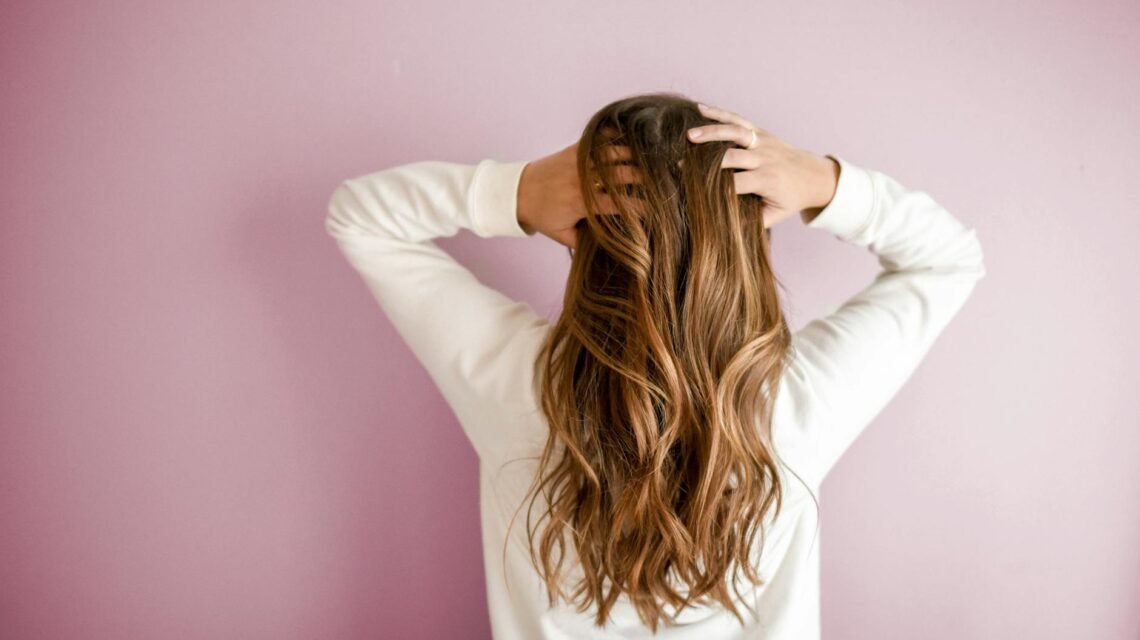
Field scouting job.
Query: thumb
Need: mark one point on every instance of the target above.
(567, 237)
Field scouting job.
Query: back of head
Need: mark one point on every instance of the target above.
(656, 378)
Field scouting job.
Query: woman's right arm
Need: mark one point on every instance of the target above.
(849, 363)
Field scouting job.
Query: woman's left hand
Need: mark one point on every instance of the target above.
(789, 179)
(550, 198)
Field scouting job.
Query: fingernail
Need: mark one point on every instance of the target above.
(702, 105)
(694, 133)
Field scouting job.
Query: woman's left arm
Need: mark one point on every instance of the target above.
(475, 342)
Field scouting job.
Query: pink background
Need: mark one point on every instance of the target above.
(209, 429)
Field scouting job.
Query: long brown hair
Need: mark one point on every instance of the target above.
(656, 378)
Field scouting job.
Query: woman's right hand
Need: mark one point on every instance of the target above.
(550, 196)
(788, 179)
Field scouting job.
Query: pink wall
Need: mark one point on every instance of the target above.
(209, 430)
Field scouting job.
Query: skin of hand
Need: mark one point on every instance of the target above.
(549, 196)
(788, 179)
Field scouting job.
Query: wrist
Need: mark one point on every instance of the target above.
(524, 199)
(827, 182)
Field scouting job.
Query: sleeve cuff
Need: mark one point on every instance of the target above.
(850, 208)
(494, 199)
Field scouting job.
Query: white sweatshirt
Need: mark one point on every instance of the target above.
(478, 345)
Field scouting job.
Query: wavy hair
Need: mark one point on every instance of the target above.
(659, 466)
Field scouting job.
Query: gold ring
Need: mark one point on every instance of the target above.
(753, 143)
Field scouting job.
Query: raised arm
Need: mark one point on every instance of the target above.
(473, 340)
(849, 363)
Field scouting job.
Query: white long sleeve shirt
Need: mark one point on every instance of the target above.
(478, 346)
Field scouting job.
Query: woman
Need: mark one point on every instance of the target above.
(663, 441)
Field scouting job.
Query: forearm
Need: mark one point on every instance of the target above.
(823, 188)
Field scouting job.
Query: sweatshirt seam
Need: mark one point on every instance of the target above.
(473, 200)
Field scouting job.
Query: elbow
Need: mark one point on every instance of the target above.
(977, 260)
(964, 256)
(342, 212)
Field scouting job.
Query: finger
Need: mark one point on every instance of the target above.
(605, 204)
(750, 182)
(724, 115)
(616, 153)
(567, 237)
(627, 174)
(621, 174)
(746, 159)
(732, 132)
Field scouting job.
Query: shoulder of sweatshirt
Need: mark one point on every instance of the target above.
(849, 363)
(476, 343)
